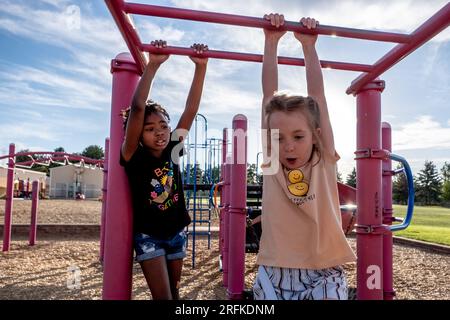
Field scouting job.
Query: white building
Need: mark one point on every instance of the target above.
(66, 181)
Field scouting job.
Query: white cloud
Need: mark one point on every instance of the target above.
(26, 130)
(56, 3)
(54, 27)
(423, 133)
(148, 31)
(35, 86)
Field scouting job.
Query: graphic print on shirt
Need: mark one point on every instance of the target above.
(297, 186)
(162, 188)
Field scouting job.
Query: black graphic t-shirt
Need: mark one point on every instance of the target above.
(157, 193)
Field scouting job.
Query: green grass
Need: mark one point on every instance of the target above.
(431, 224)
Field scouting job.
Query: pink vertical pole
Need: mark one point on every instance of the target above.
(238, 198)
(368, 193)
(388, 279)
(117, 264)
(28, 188)
(34, 210)
(9, 199)
(222, 202)
(226, 220)
(104, 197)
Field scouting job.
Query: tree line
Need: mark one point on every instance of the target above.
(431, 186)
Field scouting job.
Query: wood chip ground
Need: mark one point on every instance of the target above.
(45, 270)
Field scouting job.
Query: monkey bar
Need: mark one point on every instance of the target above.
(407, 43)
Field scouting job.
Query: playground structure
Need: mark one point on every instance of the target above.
(42, 158)
(198, 191)
(373, 197)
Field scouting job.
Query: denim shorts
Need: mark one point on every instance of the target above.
(149, 247)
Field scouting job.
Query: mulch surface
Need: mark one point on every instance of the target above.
(44, 271)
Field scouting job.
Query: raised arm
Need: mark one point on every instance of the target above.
(135, 121)
(270, 61)
(314, 81)
(195, 93)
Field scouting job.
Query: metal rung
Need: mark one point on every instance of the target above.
(348, 207)
(199, 233)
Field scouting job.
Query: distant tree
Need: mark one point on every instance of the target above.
(59, 149)
(44, 169)
(339, 176)
(215, 174)
(93, 152)
(445, 171)
(251, 173)
(23, 158)
(428, 184)
(192, 170)
(259, 178)
(446, 191)
(351, 178)
(200, 174)
(400, 188)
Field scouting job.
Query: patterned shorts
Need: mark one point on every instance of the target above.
(303, 284)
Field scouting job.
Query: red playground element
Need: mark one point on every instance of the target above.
(43, 158)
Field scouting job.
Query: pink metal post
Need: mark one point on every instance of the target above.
(369, 193)
(226, 220)
(222, 202)
(238, 198)
(9, 199)
(104, 197)
(34, 210)
(117, 265)
(388, 280)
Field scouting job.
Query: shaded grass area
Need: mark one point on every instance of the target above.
(431, 224)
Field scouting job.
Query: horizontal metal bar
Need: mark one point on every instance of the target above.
(438, 22)
(246, 21)
(253, 58)
(128, 32)
(55, 156)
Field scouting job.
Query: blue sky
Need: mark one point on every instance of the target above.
(55, 84)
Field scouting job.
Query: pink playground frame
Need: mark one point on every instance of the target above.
(374, 240)
(47, 158)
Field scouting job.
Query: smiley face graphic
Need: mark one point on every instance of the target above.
(295, 176)
(297, 187)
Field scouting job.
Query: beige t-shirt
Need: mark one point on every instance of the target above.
(301, 219)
